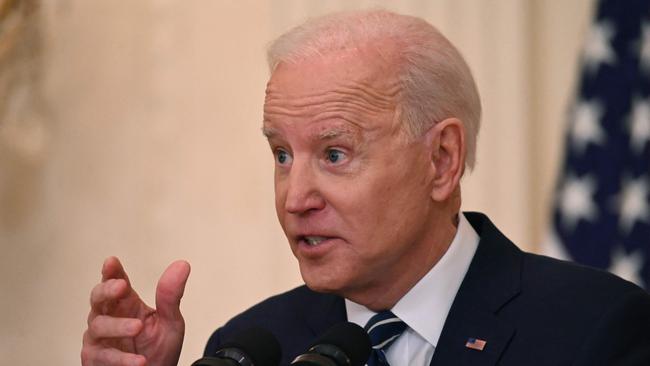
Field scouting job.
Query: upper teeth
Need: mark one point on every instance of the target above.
(314, 240)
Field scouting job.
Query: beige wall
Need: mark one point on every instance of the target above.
(150, 149)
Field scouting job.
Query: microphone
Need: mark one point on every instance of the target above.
(251, 347)
(345, 344)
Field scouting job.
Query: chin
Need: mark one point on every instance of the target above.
(322, 280)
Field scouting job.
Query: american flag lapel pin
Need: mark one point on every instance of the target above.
(475, 343)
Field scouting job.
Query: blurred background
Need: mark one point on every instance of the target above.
(132, 128)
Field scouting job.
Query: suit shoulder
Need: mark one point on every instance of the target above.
(279, 305)
(282, 315)
(575, 283)
(276, 305)
(583, 314)
(547, 268)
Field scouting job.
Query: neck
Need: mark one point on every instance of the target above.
(386, 294)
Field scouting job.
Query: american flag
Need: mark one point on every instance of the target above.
(476, 344)
(602, 209)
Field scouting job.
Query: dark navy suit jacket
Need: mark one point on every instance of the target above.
(531, 310)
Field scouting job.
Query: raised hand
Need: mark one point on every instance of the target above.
(123, 330)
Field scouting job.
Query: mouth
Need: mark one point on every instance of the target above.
(315, 246)
(312, 240)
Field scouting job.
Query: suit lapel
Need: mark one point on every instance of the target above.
(493, 279)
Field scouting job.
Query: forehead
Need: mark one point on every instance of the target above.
(352, 86)
(370, 67)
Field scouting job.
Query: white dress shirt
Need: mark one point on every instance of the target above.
(426, 306)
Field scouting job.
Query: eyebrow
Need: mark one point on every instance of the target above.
(333, 133)
(328, 134)
(269, 132)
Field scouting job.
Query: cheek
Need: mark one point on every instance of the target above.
(400, 200)
(280, 196)
(363, 206)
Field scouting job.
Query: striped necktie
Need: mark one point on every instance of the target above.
(383, 329)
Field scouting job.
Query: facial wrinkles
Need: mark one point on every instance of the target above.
(348, 101)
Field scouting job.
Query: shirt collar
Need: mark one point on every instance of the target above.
(426, 306)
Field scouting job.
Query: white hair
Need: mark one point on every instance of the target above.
(436, 83)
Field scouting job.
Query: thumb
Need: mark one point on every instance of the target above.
(170, 290)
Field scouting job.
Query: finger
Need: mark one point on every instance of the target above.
(111, 290)
(112, 268)
(170, 290)
(104, 326)
(110, 357)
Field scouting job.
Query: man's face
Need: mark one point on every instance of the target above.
(352, 191)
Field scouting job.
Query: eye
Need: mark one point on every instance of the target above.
(335, 156)
(282, 157)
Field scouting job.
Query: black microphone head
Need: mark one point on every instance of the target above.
(256, 343)
(351, 339)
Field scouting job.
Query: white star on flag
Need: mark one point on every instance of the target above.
(627, 265)
(644, 49)
(576, 200)
(639, 124)
(633, 203)
(586, 127)
(598, 49)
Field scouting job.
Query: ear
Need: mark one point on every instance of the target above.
(447, 140)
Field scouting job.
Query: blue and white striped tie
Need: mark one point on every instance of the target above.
(383, 329)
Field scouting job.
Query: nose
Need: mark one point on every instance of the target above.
(302, 195)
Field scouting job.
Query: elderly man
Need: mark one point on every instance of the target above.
(372, 118)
